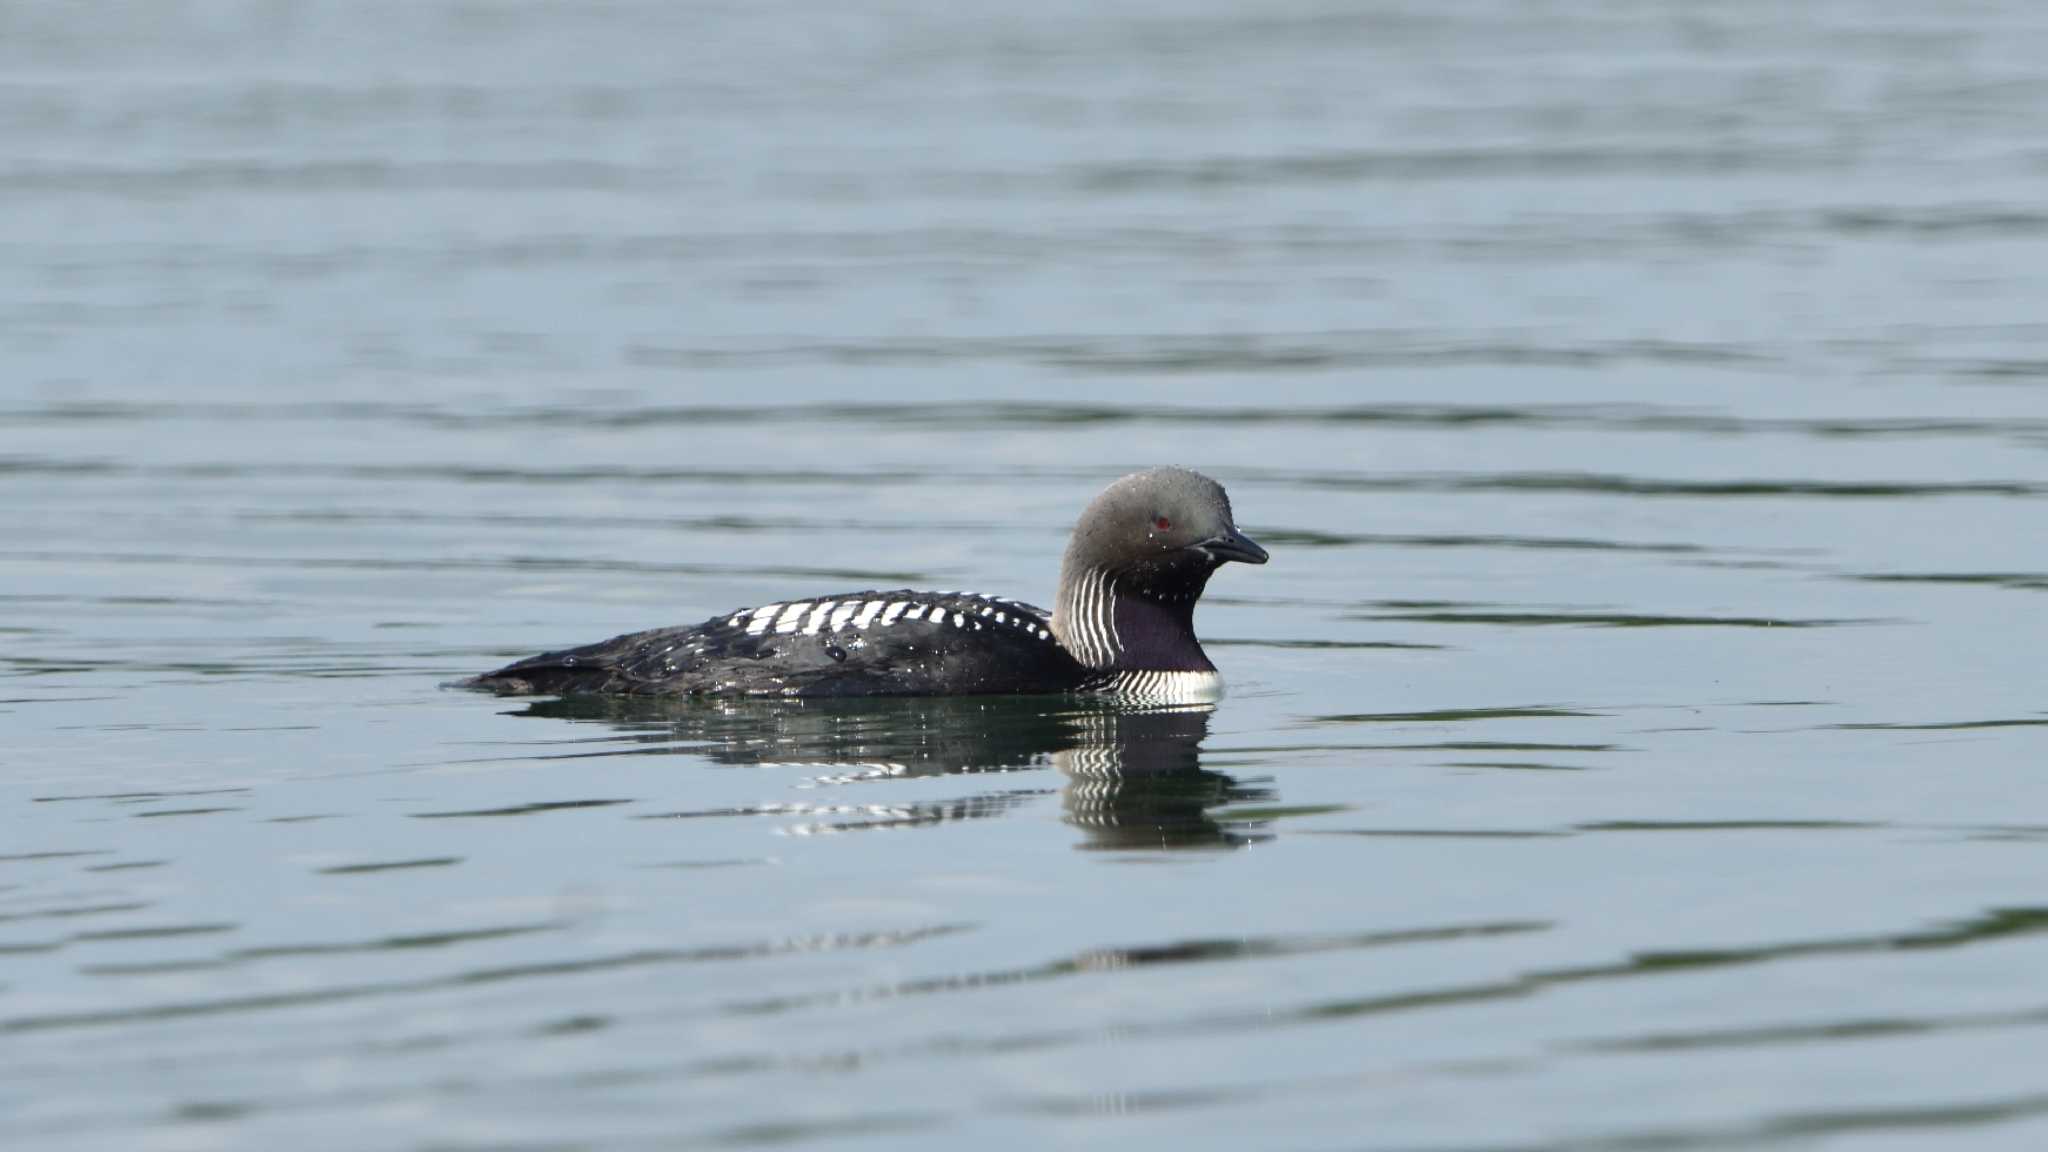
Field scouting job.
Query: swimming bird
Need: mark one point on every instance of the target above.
(1122, 624)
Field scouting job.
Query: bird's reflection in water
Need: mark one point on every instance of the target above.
(1133, 777)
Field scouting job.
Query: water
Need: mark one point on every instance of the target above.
(1636, 741)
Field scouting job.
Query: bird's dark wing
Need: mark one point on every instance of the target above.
(877, 643)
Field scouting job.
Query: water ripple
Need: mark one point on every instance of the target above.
(530, 809)
(1606, 417)
(308, 997)
(1607, 619)
(1146, 956)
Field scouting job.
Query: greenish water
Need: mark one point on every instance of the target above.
(1636, 741)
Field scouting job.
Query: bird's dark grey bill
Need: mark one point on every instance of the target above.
(1234, 545)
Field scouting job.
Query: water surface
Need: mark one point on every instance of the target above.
(1636, 741)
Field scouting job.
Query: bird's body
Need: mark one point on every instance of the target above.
(896, 643)
(1124, 625)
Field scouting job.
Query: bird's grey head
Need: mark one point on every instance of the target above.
(1160, 522)
(1149, 541)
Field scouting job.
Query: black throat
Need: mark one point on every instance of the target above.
(1137, 618)
(1158, 635)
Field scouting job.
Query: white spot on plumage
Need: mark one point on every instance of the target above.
(916, 612)
(1116, 641)
(1090, 590)
(791, 616)
(867, 613)
(840, 614)
(1164, 687)
(817, 617)
(894, 610)
(763, 617)
(1080, 615)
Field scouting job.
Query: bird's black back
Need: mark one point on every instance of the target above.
(877, 643)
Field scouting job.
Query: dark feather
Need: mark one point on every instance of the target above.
(725, 657)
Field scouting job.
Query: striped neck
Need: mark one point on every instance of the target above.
(1116, 623)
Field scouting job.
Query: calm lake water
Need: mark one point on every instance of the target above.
(1636, 742)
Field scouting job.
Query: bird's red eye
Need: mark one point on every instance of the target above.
(1161, 523)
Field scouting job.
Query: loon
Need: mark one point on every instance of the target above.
(1122, 624)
